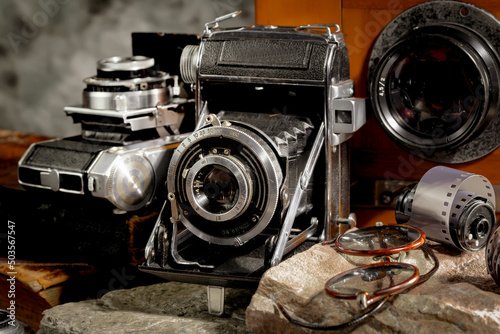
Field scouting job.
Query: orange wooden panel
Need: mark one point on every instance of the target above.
(368, 217)
(374, 154)
(490, 5)
(297, 12)
(361, 28)
(399, 165)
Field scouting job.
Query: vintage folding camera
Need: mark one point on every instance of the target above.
(266, 171)
(134, 113)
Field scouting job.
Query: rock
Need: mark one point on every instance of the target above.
(460, 298)
(161, 308)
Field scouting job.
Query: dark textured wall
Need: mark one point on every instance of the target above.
(47, 47)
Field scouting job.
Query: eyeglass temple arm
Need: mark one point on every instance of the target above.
(364, 316)
(431, 272)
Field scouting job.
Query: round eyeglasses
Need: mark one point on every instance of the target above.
(371, 285)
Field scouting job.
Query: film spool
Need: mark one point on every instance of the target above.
(452, 207)
(492, 253)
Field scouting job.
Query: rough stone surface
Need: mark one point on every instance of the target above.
(161, 308)
(460, 298)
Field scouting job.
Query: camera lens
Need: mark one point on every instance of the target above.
(434, 81)
(435, 89)
(226, 179)
(430, 89)
(219, 187)
(134, 63)
(125, 83)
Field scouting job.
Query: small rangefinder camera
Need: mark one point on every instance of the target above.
(135, 112)
(266, 171)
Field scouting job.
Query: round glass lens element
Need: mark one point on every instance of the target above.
(216, 189)
(434, 88)
(375, 279)
(380, 240)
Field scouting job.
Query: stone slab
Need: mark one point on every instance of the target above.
(160, 308)
(460, 298)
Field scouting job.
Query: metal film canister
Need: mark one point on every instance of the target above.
(451, 207)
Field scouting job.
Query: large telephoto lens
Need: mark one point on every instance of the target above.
(435, 88)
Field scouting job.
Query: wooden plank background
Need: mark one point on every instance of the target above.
(361, 21)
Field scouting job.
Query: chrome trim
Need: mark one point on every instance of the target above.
(121, 101)
(133, 63)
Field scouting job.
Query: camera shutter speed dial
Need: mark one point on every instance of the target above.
(131, 182)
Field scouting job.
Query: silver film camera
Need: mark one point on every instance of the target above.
(266, 171)
(134, 113)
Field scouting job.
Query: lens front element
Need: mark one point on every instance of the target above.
(219, 188)
(434, 77)
(435, 89)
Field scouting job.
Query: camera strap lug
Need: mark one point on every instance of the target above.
(349, 221)
(327, 27)
(297, 196)
(215, 23)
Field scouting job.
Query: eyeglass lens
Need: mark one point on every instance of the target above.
(371, 279)
(379, 238)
